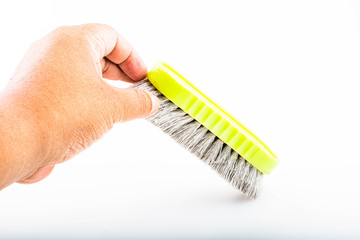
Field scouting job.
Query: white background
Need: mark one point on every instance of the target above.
(288, 70)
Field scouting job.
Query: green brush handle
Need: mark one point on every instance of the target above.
(183, 94)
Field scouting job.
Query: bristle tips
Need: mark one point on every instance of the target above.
(204, 144)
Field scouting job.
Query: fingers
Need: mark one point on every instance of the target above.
(132, 103)
(113, 72)
(134, 67)
(108, 43)
(39, 175)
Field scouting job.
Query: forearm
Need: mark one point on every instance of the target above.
(21, 150)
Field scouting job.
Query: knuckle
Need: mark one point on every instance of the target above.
(90, 33)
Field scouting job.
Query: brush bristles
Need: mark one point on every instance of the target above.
(204, 144)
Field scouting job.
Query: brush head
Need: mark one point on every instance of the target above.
(207, 130)
(218, 121)
(197, 139)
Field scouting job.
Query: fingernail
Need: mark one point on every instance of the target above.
(155, 103)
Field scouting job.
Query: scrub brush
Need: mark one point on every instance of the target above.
(206, 130)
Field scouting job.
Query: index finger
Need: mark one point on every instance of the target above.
(110, 44)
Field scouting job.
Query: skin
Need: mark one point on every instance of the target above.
(57, 103)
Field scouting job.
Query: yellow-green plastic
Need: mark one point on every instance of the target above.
(183, 94)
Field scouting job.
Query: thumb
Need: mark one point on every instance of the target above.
(132, 103)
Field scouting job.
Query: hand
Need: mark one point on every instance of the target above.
(57, 103)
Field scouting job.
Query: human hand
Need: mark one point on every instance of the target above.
(57, 103)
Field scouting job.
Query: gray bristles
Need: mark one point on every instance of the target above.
(204, 144)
